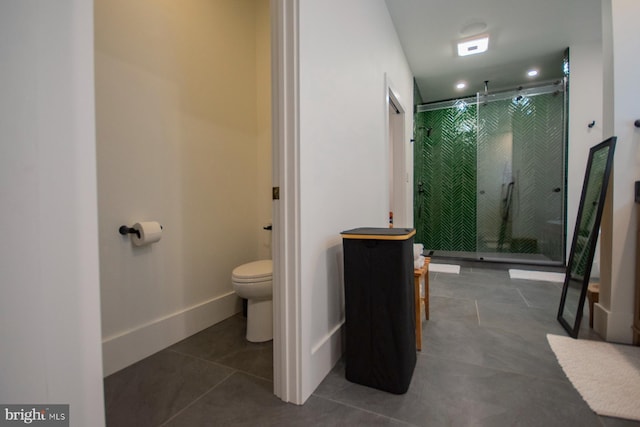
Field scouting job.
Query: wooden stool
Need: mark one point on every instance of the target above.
(593, 294)
(419, 299)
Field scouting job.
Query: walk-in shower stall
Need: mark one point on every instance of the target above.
(490, 176)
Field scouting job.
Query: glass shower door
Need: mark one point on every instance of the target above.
(520, 177)
(445, 179)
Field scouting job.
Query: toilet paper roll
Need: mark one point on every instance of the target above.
(417, 250)
(149, 231)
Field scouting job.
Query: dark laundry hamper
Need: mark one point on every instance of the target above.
(379, 307)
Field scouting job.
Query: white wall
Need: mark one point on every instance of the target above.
(343, 154)
(263, 125)
(585, 106)
(182, 128)
(614, 313)
(49, 309)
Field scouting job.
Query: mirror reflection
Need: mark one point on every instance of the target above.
(587, 231)
(585, 236)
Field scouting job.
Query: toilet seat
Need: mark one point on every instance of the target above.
(256, 271)
(267, 279)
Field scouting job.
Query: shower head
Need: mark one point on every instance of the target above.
(486, 93)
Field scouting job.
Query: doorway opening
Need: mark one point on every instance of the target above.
(398, 178)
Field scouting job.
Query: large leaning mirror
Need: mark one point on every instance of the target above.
(585, 235)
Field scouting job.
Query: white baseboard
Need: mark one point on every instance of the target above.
(324, 356)
(613, 326)
(126, 348)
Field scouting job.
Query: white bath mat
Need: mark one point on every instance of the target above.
(607, 376)
(544, 276)
(444, 268)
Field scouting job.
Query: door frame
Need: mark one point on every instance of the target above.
(287, 334)
(291, 363)
(401, 189)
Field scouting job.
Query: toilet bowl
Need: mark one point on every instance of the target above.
(253, 281)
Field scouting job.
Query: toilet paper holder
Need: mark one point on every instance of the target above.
(124, 230)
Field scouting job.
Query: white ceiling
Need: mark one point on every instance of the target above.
(523, 34)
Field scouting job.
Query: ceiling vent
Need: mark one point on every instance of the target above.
(473, 46)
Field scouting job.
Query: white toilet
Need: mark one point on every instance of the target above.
(253, 281)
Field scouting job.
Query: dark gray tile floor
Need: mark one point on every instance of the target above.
(485, 362)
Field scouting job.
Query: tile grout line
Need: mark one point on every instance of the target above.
(523, 297)
(217, 363)
(249, 374)
(171, 418)
(564, 380)
(202, 359)
(361, 409)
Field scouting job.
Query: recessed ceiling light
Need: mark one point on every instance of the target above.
(461, 85)
(473, 46)
(472, 28)
(532, 73)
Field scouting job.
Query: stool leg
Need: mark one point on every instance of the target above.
(593, 297)
(416, 300)
(426, 288)
(593, 294)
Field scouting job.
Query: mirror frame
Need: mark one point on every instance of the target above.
(574, 328)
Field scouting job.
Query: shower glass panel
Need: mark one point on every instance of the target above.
(445, 177)
(490, 176)
(520, 176)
